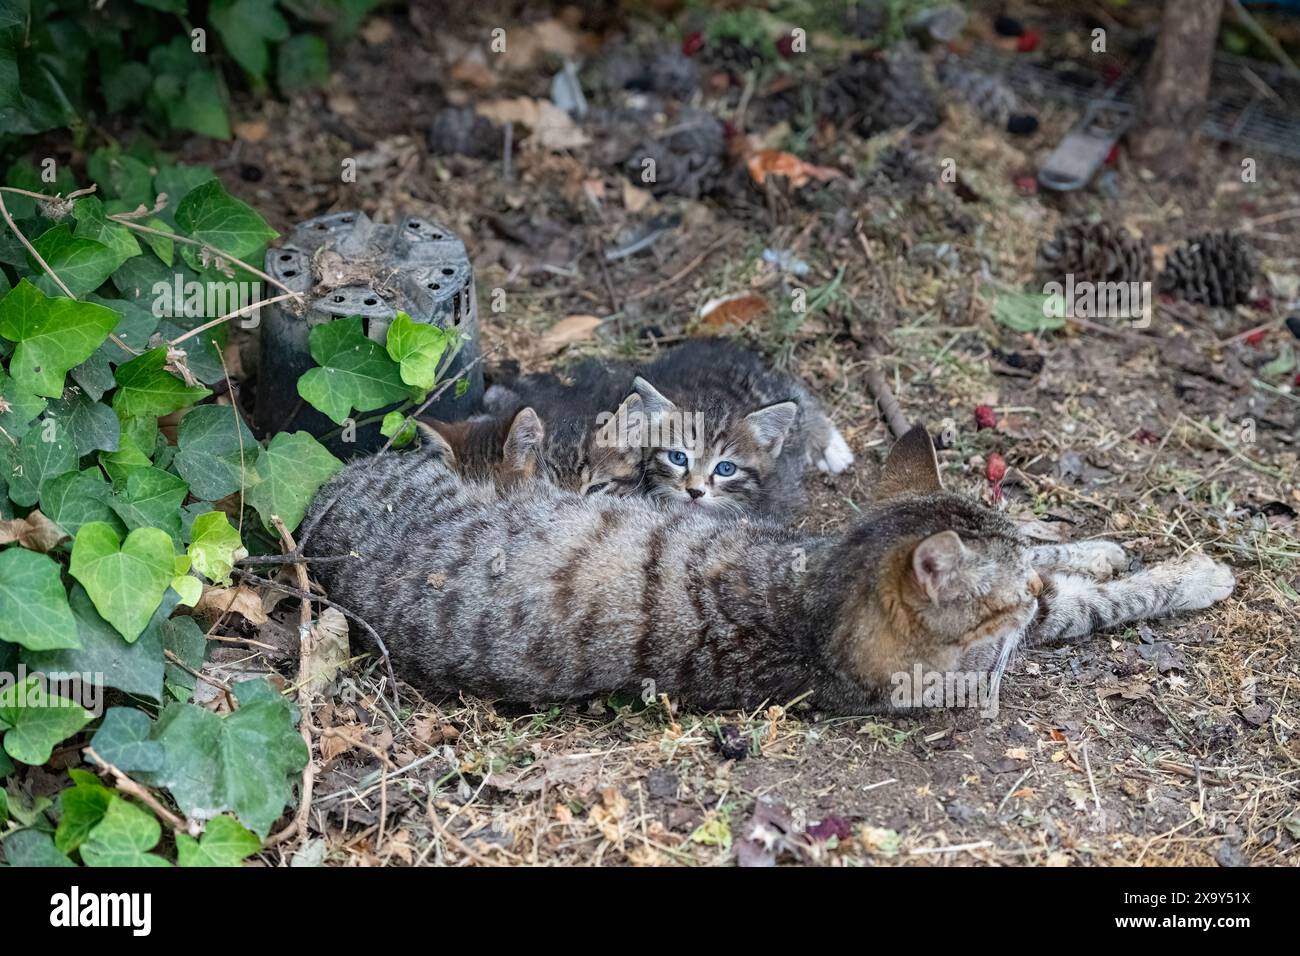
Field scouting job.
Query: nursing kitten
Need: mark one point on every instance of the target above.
(716, 428)
(551, 595)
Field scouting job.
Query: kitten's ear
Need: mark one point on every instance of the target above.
(936, 560)
(653, 404)
(770, 425)
(523, 441)
(622, 429)
(912, 467)
(433, 439)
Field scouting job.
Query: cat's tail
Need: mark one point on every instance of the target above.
(825, 447)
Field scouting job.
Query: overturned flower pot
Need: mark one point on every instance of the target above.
(346, 265)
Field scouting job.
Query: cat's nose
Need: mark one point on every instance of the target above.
(695, 492)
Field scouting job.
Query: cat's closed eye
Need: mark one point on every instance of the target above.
(595, 488)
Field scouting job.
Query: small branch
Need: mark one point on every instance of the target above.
(230, 315)
(307, 595)
(888, 405)
(292, 559)
(123, 219)
(143, 794)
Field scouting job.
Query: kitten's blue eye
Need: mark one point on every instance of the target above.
(678, 458)
(725, 469)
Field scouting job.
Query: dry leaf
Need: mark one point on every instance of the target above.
(552, 128)
(340, 740)
(573, 328)
(635, 198)
(240, 600)
(35, 532)
(734, 310)
(324, 651)
(378, 31)
(1018, 753)
(251, 131)
(773, 162)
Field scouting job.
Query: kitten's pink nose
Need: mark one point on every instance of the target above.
(695, 492)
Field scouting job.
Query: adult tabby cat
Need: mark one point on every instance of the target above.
(706, 424)
(548, 595)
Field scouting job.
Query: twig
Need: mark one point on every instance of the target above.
(292, 559)
(385, 764)
(143, 794)
(1087, 766)
(230, 315)
(296, 592)
(888, 405)
(1264, 37)
(298, 825)
(216, 682)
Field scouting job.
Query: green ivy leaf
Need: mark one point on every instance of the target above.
(418, 347)
(151, 498)
(178, 182)
(133, 668)
(38, 721)
(93, 223)
(1024, 311)
(211, 215)
(121, 176)
(123, 837)
(38, 460)
(215, 546)
(123, 739)
(200, 107)
(23, 407)
(91, 424)
(53, 335)
(83, 806)
(245, 26)
(291, 471)
(76, 498)
(126, 580)
(34, 608)
(217, 451)
(187, 641)
(146, 388)
(399, 428)
(355, 372)
(82, 264)
(224, 843)
(33, 848)
(303, 63)
(245, 762)
(136, 446)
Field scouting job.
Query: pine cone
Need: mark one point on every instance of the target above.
(991, 99)
(1214, 268)
(1095, 252)
(460, 130)
(880, 93)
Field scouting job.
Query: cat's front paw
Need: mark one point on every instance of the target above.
(836, 456)
(1201, 581)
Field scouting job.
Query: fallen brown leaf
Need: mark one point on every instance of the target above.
(35, 532)
(773, 162)
(730, 311)
(573, 328)
(239, 600)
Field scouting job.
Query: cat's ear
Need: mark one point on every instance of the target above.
(623, 428)
(653, 404)
(523, 441)
(936, 560)
(912, 467)
(770, 425)
(434, 440)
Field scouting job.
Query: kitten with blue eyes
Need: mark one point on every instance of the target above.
(705, 425)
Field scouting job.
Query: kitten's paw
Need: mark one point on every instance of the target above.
(837, 455)
(1201, 581)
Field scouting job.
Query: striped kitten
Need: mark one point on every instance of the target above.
(704, 425)
(552, 595)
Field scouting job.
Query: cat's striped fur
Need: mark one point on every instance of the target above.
(547, 595)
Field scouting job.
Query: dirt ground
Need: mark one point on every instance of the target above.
(1175, 742)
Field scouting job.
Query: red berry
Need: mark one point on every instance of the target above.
(1256, 337)
(692, 43)
(1113, 156)
(785, 46)
(1297, 379)
(1026, 185)
(1146, 437)
(996, 469)
(1110, 72)
(985, 417)
(1029, 41)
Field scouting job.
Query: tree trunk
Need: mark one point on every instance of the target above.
(1177, 84)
